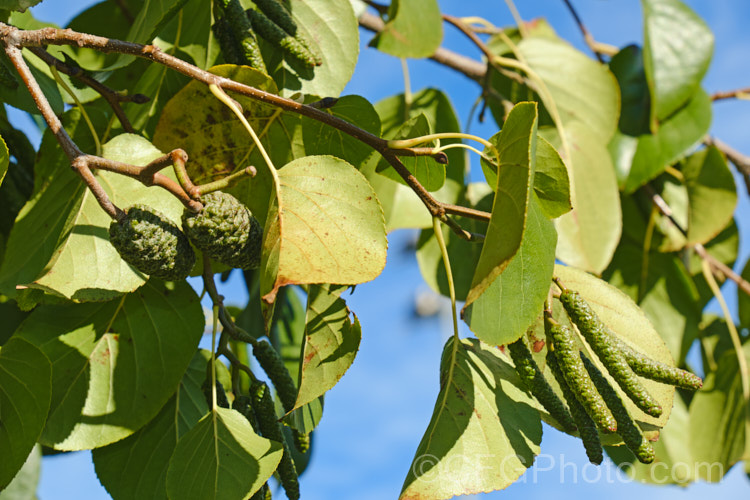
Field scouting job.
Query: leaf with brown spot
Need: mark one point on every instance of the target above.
(325, 225)
(331, 342)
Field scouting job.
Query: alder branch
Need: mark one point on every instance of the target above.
(14, 38)
(83, 163)
(719, 269)
(112, 97)
(743, 93)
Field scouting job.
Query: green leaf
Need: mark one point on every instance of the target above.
(19, 96)
(221, 457)
(4, 159)
(289, 330)
(403, 209)
(676, 135)
(551, 180)
(588, 235)
(718, 418)
(516, 147)
(106, 357)
(20, 5)
(463, 254)
(331, 342)
(26, 482)
(583, 90)
(428, 172)
(12, 317)
(57, 196)
(321, 139)
(414, 29)
(152, 16)
(136, 467)
(485, 429)
(325, 226)
(627, 66)
(191, 31)
(160, 84)
(24, 403)
(677, 52)
(712, 194)
(333, 29)
(513, 300)
(627, 321)
(86, 266)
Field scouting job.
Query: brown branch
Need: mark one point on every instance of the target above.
(145, 175)
(718, 268)
(13, 37)
(730, 94)
(112, 97)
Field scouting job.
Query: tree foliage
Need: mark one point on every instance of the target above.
(595, 228)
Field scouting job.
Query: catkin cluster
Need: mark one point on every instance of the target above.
(237, 30)
(590, 404)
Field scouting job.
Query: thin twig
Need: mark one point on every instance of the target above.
(112, 97)
(743, 93)
(586, 33)
(13, 37)
(719, 269)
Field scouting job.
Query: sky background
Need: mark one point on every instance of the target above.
(375, 417)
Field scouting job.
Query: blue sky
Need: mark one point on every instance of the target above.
(374, 418)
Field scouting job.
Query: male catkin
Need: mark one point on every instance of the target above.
(560, 341)
(243, 32)
(598, 336)
(278, 37)
(626, 427)
(274, 366)
(270, 428)
(534, 380)
(586, 426)
(655, 370)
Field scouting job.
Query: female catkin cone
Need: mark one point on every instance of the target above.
(534, 380)
(598, 336)
(655, 370)
(270, 428)
(560, 341)
(153, 244)
(274, 366)
(225, 230)
(626, 427)
(586, 427)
